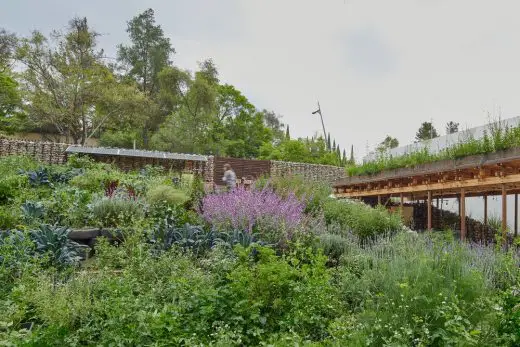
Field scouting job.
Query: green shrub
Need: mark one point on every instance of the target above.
(11, 186)
(116, 211)
(9, 218)
(68, 206)
(362, 220)
(93, 180)
(314, 193)
(167, 195)
(410, 290)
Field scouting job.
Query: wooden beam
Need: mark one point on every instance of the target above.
(485, 210)
(504, 213)
(462, 206)
(469, 183)
(429, 210)
(379, 200)
(516, 214)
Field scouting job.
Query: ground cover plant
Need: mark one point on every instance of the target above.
(282, 264)
(496, 138)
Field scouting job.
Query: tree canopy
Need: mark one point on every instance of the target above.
(69, 91)
(426, 132)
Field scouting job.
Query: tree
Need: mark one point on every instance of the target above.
(66, 87)
(344, 159)
(287, 133)
(328, 142)
(8, 43)
(148, 53)
(352, 161)
(273, 121)
(388, 143)
(190, 126)
(452, 127)
(426, 132)
(10, 102)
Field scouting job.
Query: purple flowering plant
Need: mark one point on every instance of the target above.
(249, 210)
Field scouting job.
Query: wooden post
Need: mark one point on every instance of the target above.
(379, 200)
(485, 210)
(516, 215)
(462, 208)
(504, 212)
(429, 210)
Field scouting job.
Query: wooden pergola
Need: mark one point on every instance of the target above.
(481, 175)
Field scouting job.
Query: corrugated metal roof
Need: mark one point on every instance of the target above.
(135, 153)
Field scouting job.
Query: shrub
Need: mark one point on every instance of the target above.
(167, 195)
(314, 194)
(68, 206)
(116, 211)
(8, 217)
(410, 290)
(11, 186)
(363, 220)
(93, 180)
(250, 210)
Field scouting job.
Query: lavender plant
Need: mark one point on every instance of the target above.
(253, 210)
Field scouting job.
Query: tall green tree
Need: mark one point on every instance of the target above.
(10, 103)
(8, 42)
(194, 100)
(352, 161)
(452, 127)
(65, 83)
(426, 132)
(274, 122)
(388, 143)
(287, 133)
(148, 53)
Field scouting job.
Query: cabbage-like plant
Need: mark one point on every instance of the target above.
(38, 178)
(54, 242)
(32, 211)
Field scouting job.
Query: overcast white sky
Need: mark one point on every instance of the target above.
(377, 66)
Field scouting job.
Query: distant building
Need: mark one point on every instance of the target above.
(439, 143)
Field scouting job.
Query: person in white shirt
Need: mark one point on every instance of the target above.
(229, 177)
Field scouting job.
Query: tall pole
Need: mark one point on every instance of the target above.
(322, 123)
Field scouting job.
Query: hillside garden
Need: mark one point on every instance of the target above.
(281, 264)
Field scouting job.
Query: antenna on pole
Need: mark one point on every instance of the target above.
(322, 123)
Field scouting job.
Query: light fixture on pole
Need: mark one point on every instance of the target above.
(322, 124)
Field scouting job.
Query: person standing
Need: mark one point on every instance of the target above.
(230, 177)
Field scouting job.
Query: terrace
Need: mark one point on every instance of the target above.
(480, 175)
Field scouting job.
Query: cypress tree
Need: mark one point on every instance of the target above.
(287, 134)
(352, 160)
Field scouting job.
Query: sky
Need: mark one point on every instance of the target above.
(377, 67)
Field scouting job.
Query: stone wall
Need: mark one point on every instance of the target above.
(47, 152)
(313, 172)
(54, 153)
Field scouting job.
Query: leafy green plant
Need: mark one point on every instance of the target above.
(54, 242)
(315, 194)
(38, 177)
(116, 211)
(167, 195)
(32, 211)
(11, 186)
(362, 220)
